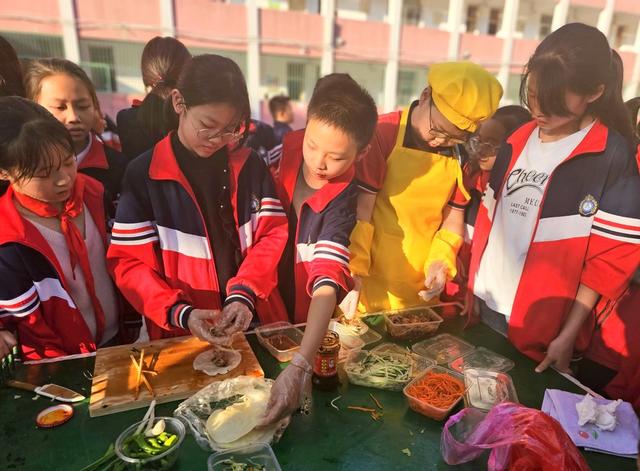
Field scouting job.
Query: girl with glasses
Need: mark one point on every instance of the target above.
(199, 229)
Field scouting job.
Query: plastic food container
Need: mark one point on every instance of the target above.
(420, 363)
(422, 407)
(257, 454)
(483, 359)
(412, 323)
(372, 369)
(159, 462)
(359, 329)
(281, 339)
(442, 348)
(486, 388)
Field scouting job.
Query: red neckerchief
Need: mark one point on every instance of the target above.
(75, 242)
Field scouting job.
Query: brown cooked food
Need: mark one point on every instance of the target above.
(411, 318)
(281, 342)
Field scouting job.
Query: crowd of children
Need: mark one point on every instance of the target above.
(209, 223)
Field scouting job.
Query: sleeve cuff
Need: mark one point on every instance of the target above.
(325, 281)
(242, 294)
(178, 315)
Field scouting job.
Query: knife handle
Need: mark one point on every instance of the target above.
(21, 385)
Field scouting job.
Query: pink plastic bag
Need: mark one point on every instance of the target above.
(520, 439)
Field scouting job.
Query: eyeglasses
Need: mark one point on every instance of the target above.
(438, 133)
(217, 135)
(476, 146)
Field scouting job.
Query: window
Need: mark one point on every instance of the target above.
(406, 79)
(297, 5)
(472, 18)
(31, 46)
(101, 68)
(545, 25)
(295, 80)
(495, 17)
(412, 13)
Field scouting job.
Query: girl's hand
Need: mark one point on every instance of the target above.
(236, 317)
(200, 323)
(559, 354)
(291, 389)
(435, 279)
(349, 304)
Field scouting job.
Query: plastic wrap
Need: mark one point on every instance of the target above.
(520, 439)
(195, 411)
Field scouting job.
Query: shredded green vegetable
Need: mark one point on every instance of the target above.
(382, 368)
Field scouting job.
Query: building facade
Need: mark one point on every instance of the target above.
(284, 46)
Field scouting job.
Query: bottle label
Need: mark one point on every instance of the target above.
(325, 365)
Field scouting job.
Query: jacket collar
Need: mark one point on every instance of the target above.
(95, 157)
(290, 164)
(594, 142)
(164, 165)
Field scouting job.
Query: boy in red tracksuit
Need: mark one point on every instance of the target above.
(315, 183)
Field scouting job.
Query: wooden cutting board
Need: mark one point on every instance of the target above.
(114, 375)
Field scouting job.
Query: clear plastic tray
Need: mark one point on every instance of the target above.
(374, 377)
(422, 407)
(367, 335)
(483, 359)
(267, 333)
(486, 388)
(412, 323)
(420, 363)
(257, 454)
(442, 348)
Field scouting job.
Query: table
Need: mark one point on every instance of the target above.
(324, 440)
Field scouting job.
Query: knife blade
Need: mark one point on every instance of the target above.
(52, 391)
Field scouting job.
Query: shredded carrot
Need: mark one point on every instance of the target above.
(437, 389)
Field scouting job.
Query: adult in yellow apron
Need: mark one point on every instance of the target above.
(407, 215)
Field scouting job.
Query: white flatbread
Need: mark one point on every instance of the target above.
(237, 420)
(204, 361)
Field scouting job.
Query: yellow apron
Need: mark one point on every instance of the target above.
(406, 217)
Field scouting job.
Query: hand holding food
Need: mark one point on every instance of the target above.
(201, 322)
(236, 317)
(291, 388)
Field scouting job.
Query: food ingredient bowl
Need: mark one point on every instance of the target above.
(379, 370)
(487, 388)
(159, 462)
(256, 457)
(414, 392)
(412, 323)
(483, 359)
(281, 339)
(442, 348)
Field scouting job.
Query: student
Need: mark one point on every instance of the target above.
(556, 228)
(142, 125)
(412, 198)
(260, 138)
(315, 184)
(56, 292)
(199, 228)
(64, 89)
(282, 114)
(481, 149)
(10, 71)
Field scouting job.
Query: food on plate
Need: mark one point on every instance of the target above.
(217, 361)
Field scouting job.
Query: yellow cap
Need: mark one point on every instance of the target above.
(464, 92)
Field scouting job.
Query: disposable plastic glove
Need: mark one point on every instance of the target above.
(349, 304)
(435, 279)
(202, 323)
(236, 317)
(291, 390)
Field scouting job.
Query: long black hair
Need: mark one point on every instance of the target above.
(207, 79)
(10, 70)
(161, 63)
(577, 58)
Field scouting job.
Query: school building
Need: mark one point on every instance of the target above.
(283, 46)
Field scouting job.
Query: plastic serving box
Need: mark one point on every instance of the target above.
(284, 331)
(257, 454)
(423, 407)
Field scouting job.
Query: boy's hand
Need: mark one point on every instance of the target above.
(236, 317)
(435, 279)
(559, 354)
(291, 389)
(349, 304)
(7, 342)
(200, 323)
